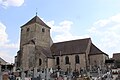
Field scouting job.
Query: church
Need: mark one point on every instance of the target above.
(37, 50)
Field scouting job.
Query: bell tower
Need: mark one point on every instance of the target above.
(36, 32)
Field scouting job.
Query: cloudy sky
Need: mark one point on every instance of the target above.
(68, 19)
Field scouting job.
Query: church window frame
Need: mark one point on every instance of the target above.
(28, 29)
(67, 60)
(40, 62)
(43, 29)
(77, 59)
(57, 61)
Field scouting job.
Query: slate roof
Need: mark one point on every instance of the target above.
(75, 47)
(36, 19)
(70, 47)
(45, 51)
(94, 50)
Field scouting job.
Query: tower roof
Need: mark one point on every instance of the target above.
(36, 19)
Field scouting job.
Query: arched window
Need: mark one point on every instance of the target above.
(40, 62)
(77, 60)
(66, 60)
(57, 61)
(28, 29)
(43, 30)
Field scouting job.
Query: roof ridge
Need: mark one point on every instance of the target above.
(72, 40)
(36, 19)
(68, 47)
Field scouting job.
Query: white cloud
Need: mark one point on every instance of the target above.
(3, 34)
(6, 56)
(102, 23)
(63, 27)
(62, 31)
(115, 18)
(4, 41)
(107, 34)
(7, 3)
(11, 45)
(5, 45)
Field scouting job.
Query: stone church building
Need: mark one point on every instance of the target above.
(37, 50)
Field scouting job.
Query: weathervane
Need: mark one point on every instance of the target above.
(36, 11)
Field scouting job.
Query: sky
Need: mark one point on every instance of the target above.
(68, 19)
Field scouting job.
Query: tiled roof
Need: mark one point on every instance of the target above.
(45, 51)
(70, 47)
(94, 50)
(36, 19)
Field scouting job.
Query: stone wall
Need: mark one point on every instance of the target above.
(51, 63)
(36, 33)
(72, 64)
(42, 38)
(28, 57)
(116, 56)
(27, 34)
(98, 59)
(44, 60)
(87, 53)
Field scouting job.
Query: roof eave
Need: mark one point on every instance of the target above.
(98, 54)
